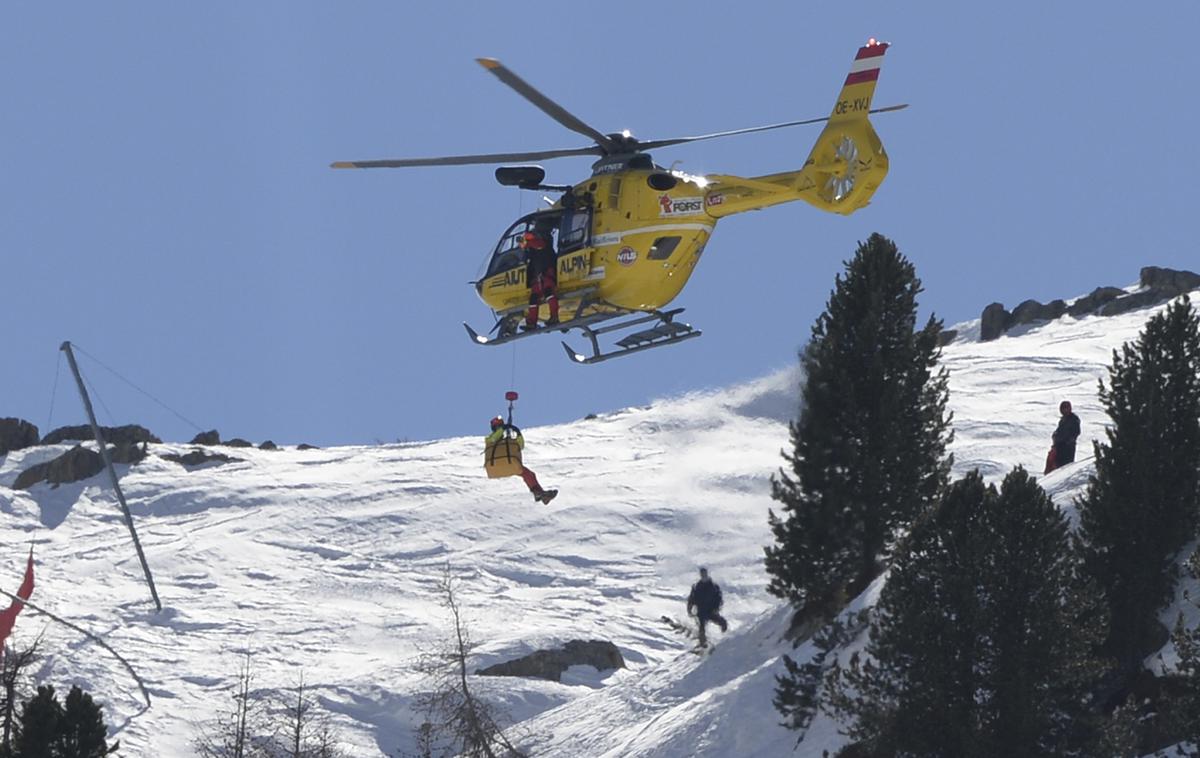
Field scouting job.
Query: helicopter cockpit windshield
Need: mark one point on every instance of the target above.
(508, 253)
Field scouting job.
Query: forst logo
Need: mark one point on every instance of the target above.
(679, 206)
(627, 256)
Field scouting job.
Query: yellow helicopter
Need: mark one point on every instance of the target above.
(629, 236)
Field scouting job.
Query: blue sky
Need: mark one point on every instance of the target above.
(167, 204)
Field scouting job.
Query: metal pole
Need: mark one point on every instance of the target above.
(112, 474)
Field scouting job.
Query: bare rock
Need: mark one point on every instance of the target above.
(946, 336)
(198, 457)
(16, 434)
(1133, 302)
(127, 452)
(1093, 301)
(993, 322)
(1031, 310)
(306, 446)
(238, 442)
(550, 664)
(72, 466)
(268, 445)
(1169, 282)
(211, 437)
(31, 476)
(113, 434)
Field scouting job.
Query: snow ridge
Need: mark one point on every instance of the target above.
(325, 561)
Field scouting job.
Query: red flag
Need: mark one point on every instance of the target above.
(8, 617)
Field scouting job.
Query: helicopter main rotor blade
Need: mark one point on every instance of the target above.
(466, 160)
(653, 144)
(546, 105)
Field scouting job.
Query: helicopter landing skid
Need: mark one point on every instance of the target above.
(666, 331)
(507, 328)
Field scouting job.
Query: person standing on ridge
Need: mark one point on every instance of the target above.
(1065, 435)
(499, 429)
(1062, 451)
(541, 272)
(704, 602)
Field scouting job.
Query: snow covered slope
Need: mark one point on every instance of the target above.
(324, 561)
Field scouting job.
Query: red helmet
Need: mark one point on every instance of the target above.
(531, 239)
(497, 422)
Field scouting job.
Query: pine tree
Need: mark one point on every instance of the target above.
(868, 450)
(48, 730)
(82, 731)
(1044, 618)
(1182, 712)
(38, 727)
(1143, 502)
(981, 642)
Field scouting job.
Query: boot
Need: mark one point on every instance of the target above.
(547, 496)
(552, 302)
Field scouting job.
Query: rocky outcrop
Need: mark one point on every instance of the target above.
(1158, 285)
(306, 446)
(550, 664)
(77, 463)
(1169, 282)
(198, 457)
(993, 322)
(16, 434)
(1132, 302)
(238, 442)
(130, 433)
(1093, 302)
(1031, 311)
(127, 452)
(211, 437)
(268, 445)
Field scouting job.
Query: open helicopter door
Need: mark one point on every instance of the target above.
(502, 457)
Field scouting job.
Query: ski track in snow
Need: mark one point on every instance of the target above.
(326, 561)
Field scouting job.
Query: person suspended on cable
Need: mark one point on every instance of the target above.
(502, 457)
(541, 272)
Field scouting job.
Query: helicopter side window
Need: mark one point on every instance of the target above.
(574, 232)
(662, 248)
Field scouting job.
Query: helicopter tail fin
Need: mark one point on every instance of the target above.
(854, 101)
(847, 163)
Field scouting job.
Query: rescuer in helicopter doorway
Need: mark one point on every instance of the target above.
(541, 272)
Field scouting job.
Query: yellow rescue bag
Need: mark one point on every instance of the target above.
(502, 458)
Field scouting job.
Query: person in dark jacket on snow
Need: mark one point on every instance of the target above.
(1065, 435)
(705, 603)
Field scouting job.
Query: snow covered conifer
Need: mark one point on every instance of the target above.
(869, 447)
(982, 637)
(1143, 503)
